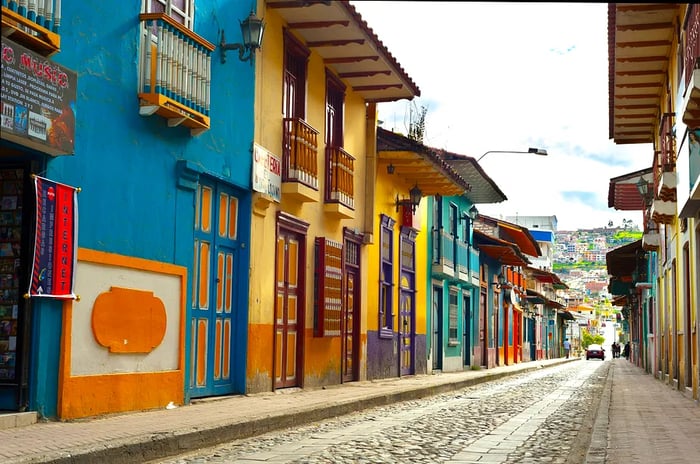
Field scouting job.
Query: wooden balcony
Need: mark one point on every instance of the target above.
(33, 25)
(299, 160)
(340, 182)
(174, 73)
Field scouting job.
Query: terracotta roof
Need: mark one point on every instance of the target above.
(348, 46)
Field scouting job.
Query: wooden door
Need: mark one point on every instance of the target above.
(213, 295)
(288, 314)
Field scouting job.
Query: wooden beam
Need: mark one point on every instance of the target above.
(644, 43)
(363, 74)
(334, 43)
(318, 24)
(365, 88)
(351, 59)
(643, 27)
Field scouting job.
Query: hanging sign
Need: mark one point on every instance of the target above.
(55, 241)
(37, 100)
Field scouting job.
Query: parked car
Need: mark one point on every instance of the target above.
(595, 351)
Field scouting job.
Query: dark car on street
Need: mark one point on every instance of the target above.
(595, 351)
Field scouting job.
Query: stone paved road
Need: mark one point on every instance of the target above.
(545, 416)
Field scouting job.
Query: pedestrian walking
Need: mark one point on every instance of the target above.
(626, 351)
(567, 347)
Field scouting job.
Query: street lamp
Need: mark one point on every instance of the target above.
(534, 151)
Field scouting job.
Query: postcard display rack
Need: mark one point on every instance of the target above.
(10, 246)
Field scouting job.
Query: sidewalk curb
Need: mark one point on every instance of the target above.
(155, 446)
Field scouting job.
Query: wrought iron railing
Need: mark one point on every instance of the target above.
(299, 152)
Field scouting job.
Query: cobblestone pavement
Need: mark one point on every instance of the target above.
(542, 416)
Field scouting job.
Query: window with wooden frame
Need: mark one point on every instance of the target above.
(452, 318)
(174, 66)
(340, 165)
(300, 139)
(328, 281)
(386, 277)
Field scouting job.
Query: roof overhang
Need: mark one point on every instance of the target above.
(418, 165)
(622, 261)
(546, 277)
(640, 36)
(348, 46)
(623, 193)
(485, 190)
(504, 252)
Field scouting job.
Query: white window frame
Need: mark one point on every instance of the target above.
(187, 14)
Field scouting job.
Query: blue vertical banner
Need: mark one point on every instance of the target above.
(55, 241)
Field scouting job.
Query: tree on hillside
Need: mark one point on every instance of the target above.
(587, 339)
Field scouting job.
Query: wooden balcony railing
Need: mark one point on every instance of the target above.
(443, 248)
(691, 58)
(299, 152)
(175, 72)
(340, 177)
(33, 24)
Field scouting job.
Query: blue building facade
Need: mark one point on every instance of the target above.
(162, 154)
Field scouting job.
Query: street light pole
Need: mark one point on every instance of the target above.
(534, 151)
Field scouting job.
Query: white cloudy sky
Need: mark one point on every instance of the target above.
(508, 76)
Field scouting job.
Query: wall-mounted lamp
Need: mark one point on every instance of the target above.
(643, 188)
(390, 168)
(502, 282)
(252, 29)
(534, 151)
(413, 200)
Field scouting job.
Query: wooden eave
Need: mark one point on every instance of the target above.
(348, 46)
(417, 164)
(640, 36)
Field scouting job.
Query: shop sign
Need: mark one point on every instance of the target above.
(267, 173)
(55, 240)
(37, 100)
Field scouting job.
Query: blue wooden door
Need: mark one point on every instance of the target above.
(213, 305)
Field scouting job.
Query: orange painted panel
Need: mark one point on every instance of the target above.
(217, 350)
(280, 305)
(128, 321)
(195, 272)
(219, 282)
(205, 205)
(201, 352)
(226, 347)
(291, 355)
(233, 218)
(203, 275)
(278, 355)
(293, 248)
(292, 309)
(259, 361)
(223, 214)
(280, 259)
(93, 395)
(229, 281)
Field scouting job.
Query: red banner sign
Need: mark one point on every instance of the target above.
(56, 239)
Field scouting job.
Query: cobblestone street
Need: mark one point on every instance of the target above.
(541, 416)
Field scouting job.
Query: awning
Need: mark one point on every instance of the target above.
(546, 277)
(535, 297)
(622, 261)
(567, 316)
(504, 252)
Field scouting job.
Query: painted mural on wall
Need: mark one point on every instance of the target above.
(38, 101)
